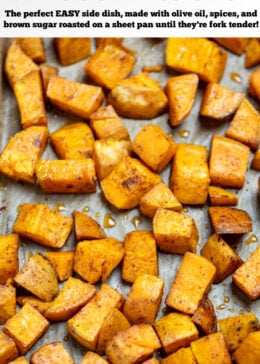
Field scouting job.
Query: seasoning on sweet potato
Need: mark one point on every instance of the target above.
(192, 282)
(109, 64)
(181, 91)
(26, 327)
(196, 55)
(248, 351)
(66, 175)
(30, 99)
(174, 232)
(235, 45)
(73, 141)
(86, 228)
(247, 276)
(228, 162)
(33, 47)
(183, 355)
(72, 50)
(17, 160)
(219, 102)
(43, 225)
(140, 255)
(205, 317)
(7, 302)
(128, 181)
(154, 147)
(74, 97)
(138, 97)
(62, 262)
(9, 265)
(221, 197)
(34, 301)
(38, 277)
(93, 358)
(189, 178)
(108, 296)
(8, 348)
(252, 56)
(51, 353)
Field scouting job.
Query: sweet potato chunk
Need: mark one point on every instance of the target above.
(8, 348)
(33, 47)
(253, 81)
(252, 57)
(138, 97)
(228, 162)
(109, 297)
(73, 141)
(20, 360)
(196, 55)
(140, 255)
(222, 255)
(205, 317)
(110, 64)
(221, 197)
(47, 71)
(9, 245)
(220, 102)
(235, 45)
(107, 40)
(192, 282)
(51, 353)
(128, 181)
(181, 356)
(175, 232)
(62, 262)
(96, 259)
(256, 160)
(74, 97)
(7, 302)
(17, 160)
(236, 328)
(86, 228)
(175, 331)
(134, 345)
(93, 358)
(72, 50)
(247, 276)
(43, 225)
(154, 147)
(29, 95)
(189, 179)
(248, 351)
(66, 175)
(26, 327)
(35, 302)
(181, 91)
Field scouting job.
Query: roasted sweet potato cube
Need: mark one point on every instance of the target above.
(154, 147)
(7, 302)
(245, 125)
(181, 91)
(252, 56)
(106, 123)
(43, 225)
(235, 45)
(138, 97)
(255, 164)
(205, 317)
(33, 47)
(253, 81)
(8, 348)
(128, 181)
(109, 64)
(140, 255)
(211, 349)
(175, 232)
(26, 327)
(93, 358)
(248, 352)
(107, 40)
(189, 178)
(20, 360)
(160, 196)
(66, 175)
(74, 97)
(109, 297)
(38, 277)
(196, 55)
(133, 345)
(222, 255)
(107, 153)
(229, 220)
(30, 99)
(219, 102)
(51, 353)
(192, 282)
(62, 263)
(86, 228)
(36, 302)
(9, 245)
(17, 160)
(175, 330)
(72, 50)
(181, 356)
(47, 71)
(96, 259)
(17, 63)
(221, 197)
(247, 276)
(228, 162)
(144, 299)
(73, 141)
(236, 328)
